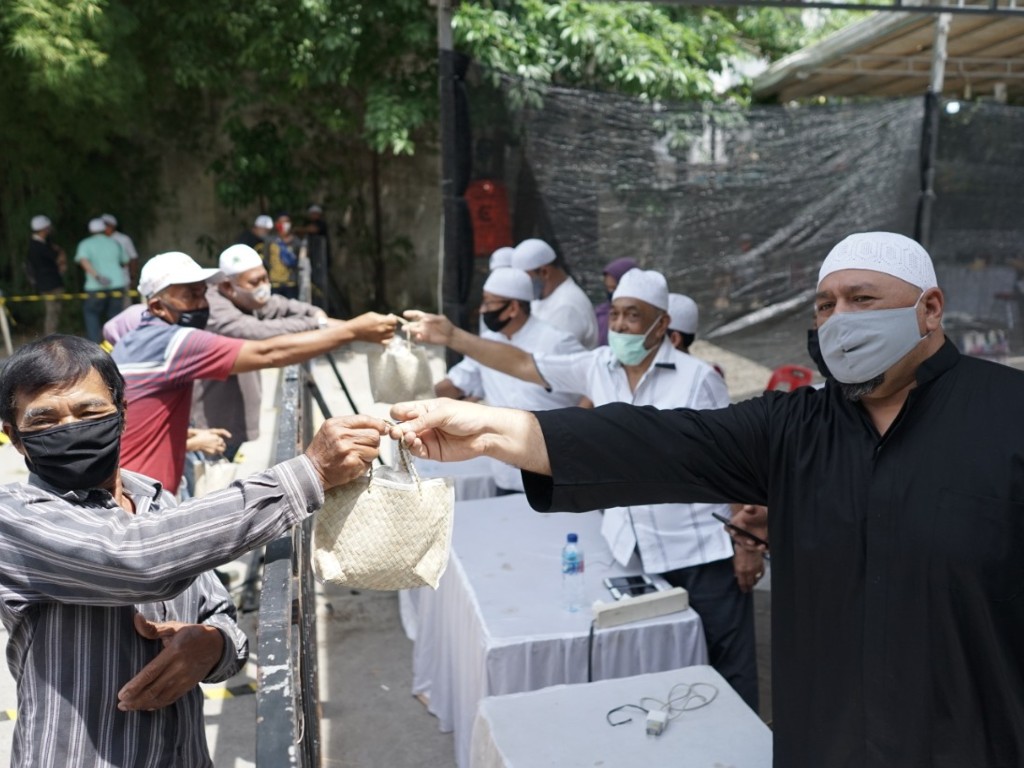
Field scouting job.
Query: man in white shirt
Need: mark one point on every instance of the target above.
(505, 312)
(682, 542)
(558, 300)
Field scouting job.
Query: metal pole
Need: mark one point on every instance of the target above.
(450, 303)
(930, 131)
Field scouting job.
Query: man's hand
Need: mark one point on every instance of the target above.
(749, 568)
(104, 281)
(446, 430)
(429, 329)
(344, 448)
(190, 652)
(753, 518)
(212, 442)
(373, 327)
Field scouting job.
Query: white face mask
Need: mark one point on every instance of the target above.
(858, 346)
(255, 298)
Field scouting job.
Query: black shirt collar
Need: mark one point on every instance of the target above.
(936, 365)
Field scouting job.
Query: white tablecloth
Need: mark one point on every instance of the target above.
(566, 726)
(473, 480)
(496, 624)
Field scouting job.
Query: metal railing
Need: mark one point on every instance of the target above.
(287, 695)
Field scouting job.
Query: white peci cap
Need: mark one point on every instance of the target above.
(682, 313)
(172, 268)
(531, 254)
(40, 223)
(501, 258)
(644, 284)
(884, 252)
(96, 226)
(510, 284)
(237, 259)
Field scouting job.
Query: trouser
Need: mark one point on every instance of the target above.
(51, 318)
(97, 310)
(728, 618)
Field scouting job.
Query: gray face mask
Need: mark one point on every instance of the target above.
(858, 346)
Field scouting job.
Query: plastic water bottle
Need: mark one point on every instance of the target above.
(573, 589)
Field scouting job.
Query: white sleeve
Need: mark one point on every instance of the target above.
(566, 373)
(712, 392)
(466, 376)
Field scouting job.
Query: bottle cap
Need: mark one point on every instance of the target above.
(572, 538)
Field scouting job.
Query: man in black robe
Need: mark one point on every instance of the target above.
(896, 498)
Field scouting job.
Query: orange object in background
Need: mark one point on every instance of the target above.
(488, 210)
(790, 377)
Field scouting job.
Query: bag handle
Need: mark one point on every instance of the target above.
(405, 463)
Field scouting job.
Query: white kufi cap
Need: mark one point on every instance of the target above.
(172, 268)
(682, 313)
(501, 258)
(264, 221)
(237, 259)
(884, 252)
(531, 254)
(644, 284)
(110, 219)
(96, 226)
(510, 284)
(40, 223)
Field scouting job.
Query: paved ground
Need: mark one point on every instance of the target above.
(369, 717)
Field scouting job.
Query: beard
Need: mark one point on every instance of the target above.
(854, 392)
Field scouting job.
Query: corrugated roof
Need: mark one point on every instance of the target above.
(890, 54)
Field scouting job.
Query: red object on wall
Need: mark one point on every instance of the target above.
(488, 209)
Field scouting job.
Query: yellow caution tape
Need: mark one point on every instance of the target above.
(67, 296)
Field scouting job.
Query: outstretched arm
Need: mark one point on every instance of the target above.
(446, 430)
(505, 358)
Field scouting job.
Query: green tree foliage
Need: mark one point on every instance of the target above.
(284, 99)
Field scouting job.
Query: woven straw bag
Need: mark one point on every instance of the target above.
(213, 476)
(400, 372)
(389, 530)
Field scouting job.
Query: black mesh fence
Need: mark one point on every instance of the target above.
(737, 207)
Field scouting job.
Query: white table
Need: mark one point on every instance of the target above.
(473, 480)
(566, 726)
(496, 624)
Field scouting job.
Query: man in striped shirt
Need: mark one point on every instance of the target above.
(104, 591)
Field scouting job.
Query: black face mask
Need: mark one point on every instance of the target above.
(75, 456)
(491, 318)
(194, 318)
(814, 350)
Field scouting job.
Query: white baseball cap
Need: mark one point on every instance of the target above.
(172, 268)
(884, 252)
(110, 219)
(237, 259)
(96, 226)
(682, 313)
(40, 223)
(644, 284)
(264, 221)
(510, 284)
(531, 254)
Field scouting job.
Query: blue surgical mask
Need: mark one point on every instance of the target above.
(538, 287)
(858, 346)
(629, 347)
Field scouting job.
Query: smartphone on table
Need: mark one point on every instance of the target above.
(629, 586)
(741, 531)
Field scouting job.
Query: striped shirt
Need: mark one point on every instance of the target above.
(74, 568)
